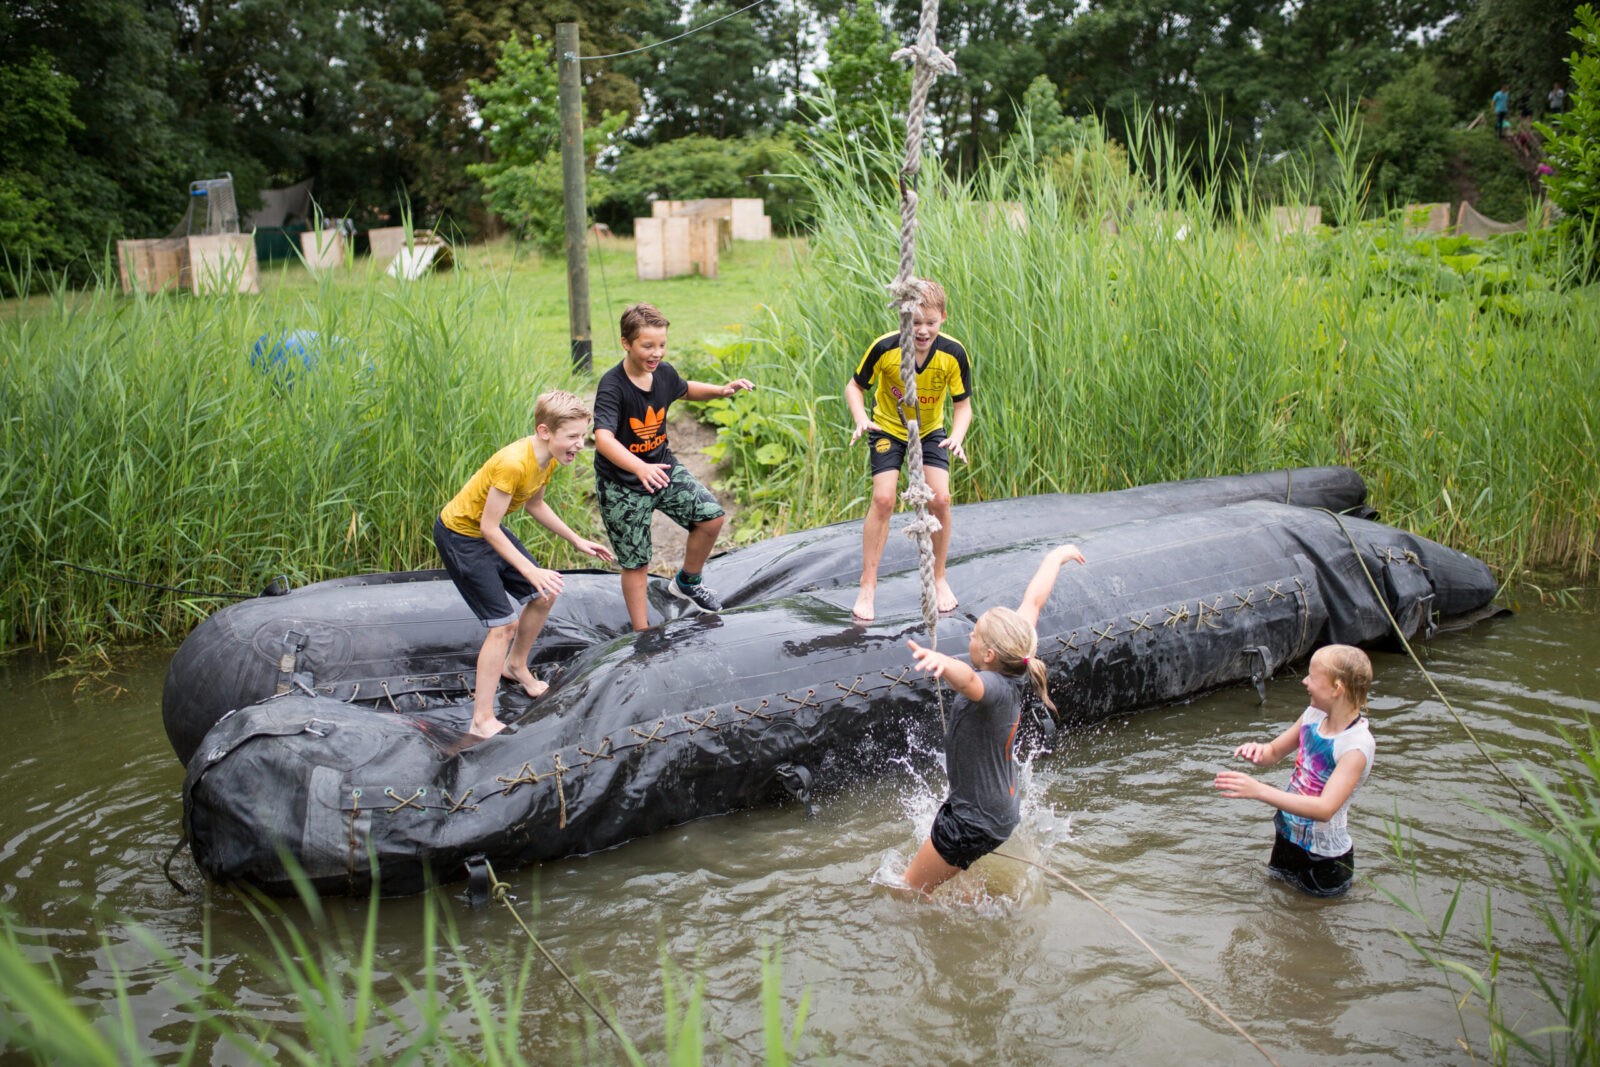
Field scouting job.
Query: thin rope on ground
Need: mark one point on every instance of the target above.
(502, 892)
(1405, 644)
(1201, 997)
(669, 40)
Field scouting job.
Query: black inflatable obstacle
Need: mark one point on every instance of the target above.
(710, 714)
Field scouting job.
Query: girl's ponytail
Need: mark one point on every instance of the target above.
(1016, 646)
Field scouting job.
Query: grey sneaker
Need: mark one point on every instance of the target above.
(700, 595)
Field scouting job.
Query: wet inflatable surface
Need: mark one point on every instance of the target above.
(350, 771)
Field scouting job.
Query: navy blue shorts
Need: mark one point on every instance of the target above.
(889, 453)
(1320, 876)
(958, 843)
(492, 588)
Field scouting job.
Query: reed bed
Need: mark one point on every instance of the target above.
(138, 441)
(1458, 376)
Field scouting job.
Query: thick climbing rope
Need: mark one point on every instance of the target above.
(1090, 897)
(928, 62)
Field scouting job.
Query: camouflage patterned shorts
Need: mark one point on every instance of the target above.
(626, 513)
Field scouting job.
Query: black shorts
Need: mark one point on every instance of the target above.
(958, 843)
(492, 588)
(1320, 876)
(889, 453)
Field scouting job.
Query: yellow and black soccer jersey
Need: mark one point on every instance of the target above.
(946, 371)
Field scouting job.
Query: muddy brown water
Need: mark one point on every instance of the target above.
(1039, 975)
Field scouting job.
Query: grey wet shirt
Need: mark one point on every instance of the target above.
(977, 754)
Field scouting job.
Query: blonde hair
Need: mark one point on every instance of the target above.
(1015, 644)
(933, 295)
(638, 316)
(558, 406)
(1350, 668)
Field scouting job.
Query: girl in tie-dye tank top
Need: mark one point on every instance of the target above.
(1333, 749)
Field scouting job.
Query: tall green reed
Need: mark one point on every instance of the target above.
(318, 994)
(1458, 379)
(1567, 835)
(138, 439)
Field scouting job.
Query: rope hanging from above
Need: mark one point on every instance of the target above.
(928, 62)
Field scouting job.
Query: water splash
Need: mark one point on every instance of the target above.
(994, 885)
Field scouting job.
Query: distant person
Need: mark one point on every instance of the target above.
(983, 806)
(1502, 104)
(1333, 749)
(941, 367)
(1556, 102)
(495, 574)
(636, 473)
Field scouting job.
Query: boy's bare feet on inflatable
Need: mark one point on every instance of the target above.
(524, 677)
(862, 612)
(483, 731)
(947, 596)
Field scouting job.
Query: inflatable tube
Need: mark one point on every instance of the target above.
(710, 714)
(393, 640)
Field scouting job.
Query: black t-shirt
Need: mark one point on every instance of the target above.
(637, 417)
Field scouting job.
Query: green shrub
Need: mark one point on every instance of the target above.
(1572, 139)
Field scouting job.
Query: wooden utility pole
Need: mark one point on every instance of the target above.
(569, 97)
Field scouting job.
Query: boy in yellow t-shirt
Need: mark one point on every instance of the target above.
(942, 368)
(498, 577)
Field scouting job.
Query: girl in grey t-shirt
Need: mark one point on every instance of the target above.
(983, 805)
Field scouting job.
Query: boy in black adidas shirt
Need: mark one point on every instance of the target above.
(636, 472)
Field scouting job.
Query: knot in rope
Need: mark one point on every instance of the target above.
(931, 58)
(919, 495)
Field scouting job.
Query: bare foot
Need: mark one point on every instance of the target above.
(485, 730)
(524, 677)
(947, 596)
(863, 609)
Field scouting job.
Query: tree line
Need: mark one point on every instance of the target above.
(391, 106)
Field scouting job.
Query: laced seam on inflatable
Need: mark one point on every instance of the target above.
(894, 681)
(406, 802)
(756, 713)
(458, 805)
(702, 723)
(654, 735)
(802, 702)
(561, 792)
(852, 690)
(603, 752)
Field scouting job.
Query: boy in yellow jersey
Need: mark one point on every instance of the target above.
(942, 367)
(498, 578)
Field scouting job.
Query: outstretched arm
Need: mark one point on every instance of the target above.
(962, 678)
(546, 516)
(1343, 781)
(707, 391)
(1044, 580)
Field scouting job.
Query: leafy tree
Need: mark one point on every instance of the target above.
(1408, 132)
(1571, 138)
(718, 82)
(34, 130)
(696, 166)
(1520, 43)
(522, 127)
(996, 57)
(862, 76)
